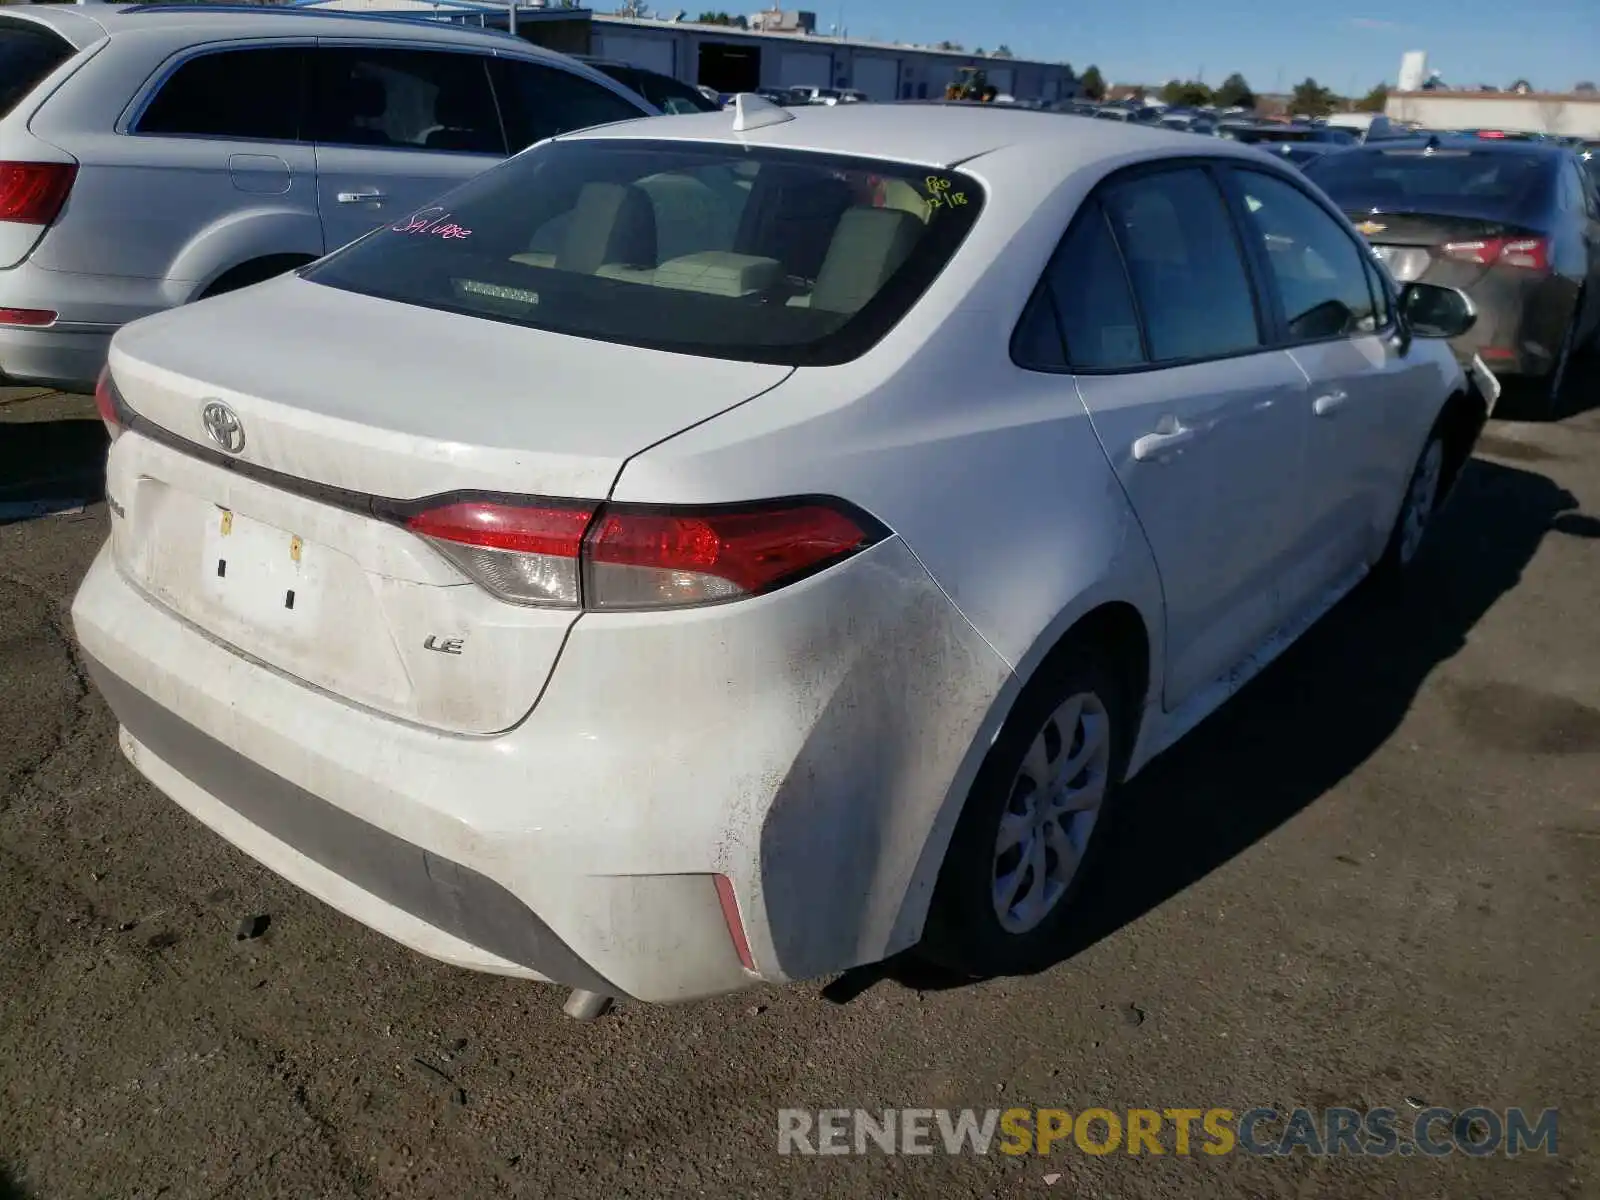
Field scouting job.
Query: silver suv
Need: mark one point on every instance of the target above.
(157, 154)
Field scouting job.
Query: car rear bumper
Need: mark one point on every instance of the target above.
(800, 745)
(1521, 319)
(69, 353)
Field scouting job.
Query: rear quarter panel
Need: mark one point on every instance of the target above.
(991, 475)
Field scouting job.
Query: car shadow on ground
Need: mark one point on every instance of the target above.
(1309, 720)
(50, 466)
(10, 1189)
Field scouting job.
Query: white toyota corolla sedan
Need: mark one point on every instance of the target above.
(737, 547)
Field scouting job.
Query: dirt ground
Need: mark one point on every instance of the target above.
(1373, 879)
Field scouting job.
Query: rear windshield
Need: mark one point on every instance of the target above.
(28, 53)
(1420, 178)
(713, 250)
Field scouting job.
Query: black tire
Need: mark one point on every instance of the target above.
(1405, 541)
(964, 931)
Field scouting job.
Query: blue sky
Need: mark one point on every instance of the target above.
(1345, 44)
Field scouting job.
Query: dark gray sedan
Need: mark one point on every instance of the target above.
(1514, 224)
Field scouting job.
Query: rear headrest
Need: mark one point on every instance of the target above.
(610, 223)
(867, 248)
(365, 97)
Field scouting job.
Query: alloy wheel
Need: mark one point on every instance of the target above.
(1055, 801)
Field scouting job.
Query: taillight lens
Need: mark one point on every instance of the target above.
(524, 554)
(638, 558)
(33, 193)
(557, 555)
(105, 402)
(1529, 253)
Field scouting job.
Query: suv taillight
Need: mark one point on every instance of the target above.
(559, 555)
(33, 193)
(1532, 254)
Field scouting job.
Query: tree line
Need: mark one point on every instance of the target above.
(1309, 97)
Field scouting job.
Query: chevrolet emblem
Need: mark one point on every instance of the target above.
(1368, 228)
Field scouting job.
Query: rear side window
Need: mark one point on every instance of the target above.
(28, 53)
(1083, 314)
(671, 96)
(405, 99)
(1184, 260)
(232, 94)
(718, 250)
(540, 102)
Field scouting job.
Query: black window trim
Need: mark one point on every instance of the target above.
(1267, 281)
(1211, 167)
(128, 123)
(599, 79)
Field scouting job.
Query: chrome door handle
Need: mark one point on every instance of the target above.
(1326, 406)
(359, 197)
(1155, 445)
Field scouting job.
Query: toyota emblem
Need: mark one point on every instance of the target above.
(223, 426)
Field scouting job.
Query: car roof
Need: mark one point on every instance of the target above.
(911, 132)
(211, 22)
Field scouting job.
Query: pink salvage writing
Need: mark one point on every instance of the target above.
(427, 222)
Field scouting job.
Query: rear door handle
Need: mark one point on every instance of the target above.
(1156, 445)
(359, 197)
(1326, 406)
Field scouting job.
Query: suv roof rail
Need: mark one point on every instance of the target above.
(299, 10)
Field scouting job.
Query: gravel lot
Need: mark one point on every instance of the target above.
(1374, 879)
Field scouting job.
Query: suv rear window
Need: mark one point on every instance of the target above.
(28, 53)
(719, 251)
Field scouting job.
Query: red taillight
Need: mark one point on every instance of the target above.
(105, 402)
(1532, 254)
(645, 559)
(1490, 133)
(33, 193)
(26, 316)
(563, 556)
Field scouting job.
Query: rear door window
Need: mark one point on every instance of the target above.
(255, 94)
(28, 53)
(1185, 263)
(719, 250)
(406, 100)
(540, 102)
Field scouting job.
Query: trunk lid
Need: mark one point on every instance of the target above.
(275, 551)
(1409, 242)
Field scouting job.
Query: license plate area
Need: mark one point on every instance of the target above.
(268, 577)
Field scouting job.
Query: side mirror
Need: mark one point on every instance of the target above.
(1431, 311)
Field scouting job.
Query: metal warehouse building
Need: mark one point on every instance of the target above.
(735, 60)
(784, 52)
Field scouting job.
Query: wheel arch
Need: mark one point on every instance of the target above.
(254, 270)
(1125, 627)
(244, 237)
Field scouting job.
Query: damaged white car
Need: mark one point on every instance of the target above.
(738, 547)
